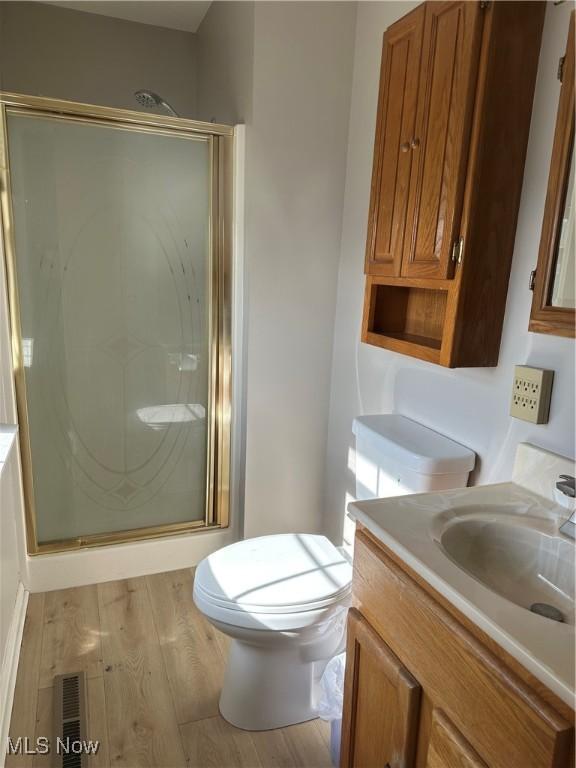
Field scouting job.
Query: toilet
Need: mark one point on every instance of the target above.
(283, 599)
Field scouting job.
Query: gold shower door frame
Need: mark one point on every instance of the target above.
(220, 141)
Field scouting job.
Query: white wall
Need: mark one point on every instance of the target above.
(9, 554)
(225, 62)
(66, 54)
(12, 546)
(470, 405)
(291, 85)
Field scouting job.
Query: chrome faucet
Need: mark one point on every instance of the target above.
(566, 485)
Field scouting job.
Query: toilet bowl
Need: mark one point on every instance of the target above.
(282, 600)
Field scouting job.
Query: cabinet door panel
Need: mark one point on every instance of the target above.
(392, 153)
(451, 49)
(448, 748)
(380, 719)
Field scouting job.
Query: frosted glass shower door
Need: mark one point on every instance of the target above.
(112, 254)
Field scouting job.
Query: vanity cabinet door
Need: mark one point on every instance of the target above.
(382, 699)
(392, 151)
(449, 69)
(448, 748)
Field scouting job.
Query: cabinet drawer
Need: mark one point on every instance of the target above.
(506, 723)
(448, 748)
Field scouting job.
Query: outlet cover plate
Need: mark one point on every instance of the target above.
(531, 393)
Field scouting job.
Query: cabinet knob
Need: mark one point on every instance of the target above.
(405, 146)
(415, 143)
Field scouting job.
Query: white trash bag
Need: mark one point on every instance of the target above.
(332, 689)
(331, 700)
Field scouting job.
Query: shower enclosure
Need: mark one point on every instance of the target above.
(116, 236)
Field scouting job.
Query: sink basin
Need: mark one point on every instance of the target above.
(521, 558)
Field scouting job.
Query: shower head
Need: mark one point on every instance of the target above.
(151, 100)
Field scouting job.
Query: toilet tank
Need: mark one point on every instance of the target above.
(396, 456)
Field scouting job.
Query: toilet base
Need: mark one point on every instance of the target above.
(267, 688)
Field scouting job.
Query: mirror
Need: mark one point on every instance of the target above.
(563, 280)
(554, 302)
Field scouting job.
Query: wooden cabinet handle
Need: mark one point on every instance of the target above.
(404, 147)
(415, 143)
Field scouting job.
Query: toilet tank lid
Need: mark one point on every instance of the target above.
(413, 445)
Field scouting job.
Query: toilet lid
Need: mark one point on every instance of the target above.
(275, 574)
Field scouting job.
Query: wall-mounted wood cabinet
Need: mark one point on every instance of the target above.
(424, 688)
(456, 88)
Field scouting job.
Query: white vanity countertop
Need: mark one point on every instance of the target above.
(409, 527)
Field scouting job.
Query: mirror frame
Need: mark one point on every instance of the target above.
(545, 318)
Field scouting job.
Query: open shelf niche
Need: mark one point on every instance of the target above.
(406, 319)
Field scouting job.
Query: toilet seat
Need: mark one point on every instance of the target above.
(280, 582)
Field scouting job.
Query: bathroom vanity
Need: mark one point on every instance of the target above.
(446, 664)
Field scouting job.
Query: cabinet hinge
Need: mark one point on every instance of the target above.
(532, 281)
(458, 251)
(561, 68)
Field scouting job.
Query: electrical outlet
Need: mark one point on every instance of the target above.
(531, 394)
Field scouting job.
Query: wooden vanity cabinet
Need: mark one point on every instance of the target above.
(424, 688)
(456, 86)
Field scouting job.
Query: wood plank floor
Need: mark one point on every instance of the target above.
(154, 669)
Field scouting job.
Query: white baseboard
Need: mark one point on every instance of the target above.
(10, 666)
(123, 561)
